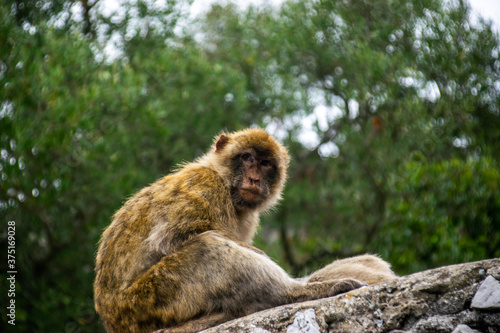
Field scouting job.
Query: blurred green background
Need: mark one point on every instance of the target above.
(390, 109)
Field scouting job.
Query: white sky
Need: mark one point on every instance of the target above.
(489, 9)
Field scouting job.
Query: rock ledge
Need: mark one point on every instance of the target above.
(461, 298)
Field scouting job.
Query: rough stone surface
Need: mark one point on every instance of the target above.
(304, 322)
(464, 329)
(437, 300)
(488, 295)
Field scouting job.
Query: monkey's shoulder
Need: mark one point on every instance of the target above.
(191, 179)
(191, 182)
(195, 175)
(181, 192)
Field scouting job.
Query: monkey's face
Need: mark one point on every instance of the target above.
(253, 164)
(254, 175)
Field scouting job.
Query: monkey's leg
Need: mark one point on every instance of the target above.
(367, 268)
(211, 275)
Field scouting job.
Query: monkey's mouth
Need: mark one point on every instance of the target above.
(250, 193)
(251, 189)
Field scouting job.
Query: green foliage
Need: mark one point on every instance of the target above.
(457, 221)
(397, 79)
(78, 136)
(400, 158)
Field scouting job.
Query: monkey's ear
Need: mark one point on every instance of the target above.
(221, 143)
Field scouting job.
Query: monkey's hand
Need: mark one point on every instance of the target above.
(315, 290)
(340, 286)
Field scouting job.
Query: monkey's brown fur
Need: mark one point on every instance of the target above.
(178, 254)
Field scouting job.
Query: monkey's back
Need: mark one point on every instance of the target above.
(169, 212)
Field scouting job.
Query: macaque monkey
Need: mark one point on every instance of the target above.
(178, 255)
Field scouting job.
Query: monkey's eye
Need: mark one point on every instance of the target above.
(246, 157)
(265, 163)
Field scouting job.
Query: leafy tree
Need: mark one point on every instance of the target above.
(395, 79)
(457, 221)
(79, 135)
